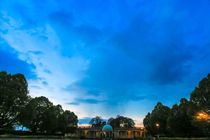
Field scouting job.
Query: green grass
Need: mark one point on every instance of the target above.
(5, 136)
(184, 139)
(175, 138)
(30, 136)
(13, 137)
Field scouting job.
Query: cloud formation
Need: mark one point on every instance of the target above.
(108, 57)
(10, 62)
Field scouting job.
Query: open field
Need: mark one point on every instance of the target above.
(175, 138)
(51, 138)
(30, 139)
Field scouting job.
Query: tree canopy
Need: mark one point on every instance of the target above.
(201, 94)
(35, 112)
(96, 122)
(183, 119)
(156, 121)
(38, 114)
(13, 98)
(180, 118)
(121, 122)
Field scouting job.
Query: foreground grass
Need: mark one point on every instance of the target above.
(184, 139)
(175, 138)
(40, 137)
(5, 136)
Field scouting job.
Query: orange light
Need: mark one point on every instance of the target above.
(157, 124)
(202, 115)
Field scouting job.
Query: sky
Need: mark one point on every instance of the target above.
(107, 58)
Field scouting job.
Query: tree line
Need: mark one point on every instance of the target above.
(118, 122)
(186, 119)
(37, 114)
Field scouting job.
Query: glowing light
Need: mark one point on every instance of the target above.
(203, 115)
(157, 124)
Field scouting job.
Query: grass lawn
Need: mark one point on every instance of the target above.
(29, 136)
(175, 138)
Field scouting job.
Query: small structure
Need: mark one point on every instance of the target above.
(107, 132)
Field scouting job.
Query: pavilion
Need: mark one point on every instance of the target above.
(107, 132)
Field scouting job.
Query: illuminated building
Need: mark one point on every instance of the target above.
(108, 132)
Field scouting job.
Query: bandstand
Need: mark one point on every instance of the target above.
(107, 132)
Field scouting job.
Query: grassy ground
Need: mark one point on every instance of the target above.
(40, 137)
(9, 136)
(184, 139)
(176, 138)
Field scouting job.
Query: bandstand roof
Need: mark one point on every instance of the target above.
(107, 127)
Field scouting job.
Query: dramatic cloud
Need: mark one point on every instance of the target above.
(107, 57)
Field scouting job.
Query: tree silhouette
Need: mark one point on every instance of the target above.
(96, 121)
(13, 98)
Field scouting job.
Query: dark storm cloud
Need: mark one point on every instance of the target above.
(149, 51)
(136, 50)
(159, 47)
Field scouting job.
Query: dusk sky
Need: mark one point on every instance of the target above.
(107, 57)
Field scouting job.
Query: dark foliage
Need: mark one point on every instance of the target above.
(13, 98)
(96, 121)
(156, 122)
(121, 122)
(183, 120)
(37, 114)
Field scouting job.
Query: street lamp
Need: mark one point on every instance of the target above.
(157, 125)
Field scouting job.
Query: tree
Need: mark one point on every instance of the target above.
(67, 122)
(183, 119)
(156, 122)
(148, 124)
(40, 115)
(51, 119)
(13, 97)
(121, 122)
(96, 121)
(110, 120)
(201, 95)
(180, 118)
(201, 98)
(33, 116)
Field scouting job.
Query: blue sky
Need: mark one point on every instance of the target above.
(105, 58)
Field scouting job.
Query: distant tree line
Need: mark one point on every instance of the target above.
(186, 119)
(37, 114)
(118, 122)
